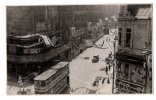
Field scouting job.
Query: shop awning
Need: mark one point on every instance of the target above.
(46, 40)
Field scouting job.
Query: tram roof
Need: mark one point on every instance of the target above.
(59, 65)
(45, 75)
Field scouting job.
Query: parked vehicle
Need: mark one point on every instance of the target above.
(95, 59)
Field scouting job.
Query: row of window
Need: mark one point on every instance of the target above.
(123, 9)
(142, 25)
(50, 79)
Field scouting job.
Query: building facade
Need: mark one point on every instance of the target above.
(134, 55)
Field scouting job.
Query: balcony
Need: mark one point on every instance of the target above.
(130, 58)
(135, 51)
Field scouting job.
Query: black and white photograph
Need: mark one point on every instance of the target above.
(85, 49)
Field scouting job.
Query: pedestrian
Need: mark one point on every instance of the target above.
(106, 70)
(103, 80)
(110, 55)
(108, 80)
(20, 83)
(109, 66)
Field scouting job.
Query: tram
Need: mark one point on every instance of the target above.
(54, 80)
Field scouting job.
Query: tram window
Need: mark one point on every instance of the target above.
(37, 83)
(48, 81)
(43, 84)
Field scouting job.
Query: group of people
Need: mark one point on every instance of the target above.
(104, 78)
(109, 63)
(108, 67)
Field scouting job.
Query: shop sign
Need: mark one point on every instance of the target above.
(128, 87)
(31, 51)
(34, 51)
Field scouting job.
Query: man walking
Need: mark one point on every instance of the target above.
(108, 80)
(106, 70)
(103, 80)
(109, 67)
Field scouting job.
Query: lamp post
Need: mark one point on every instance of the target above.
(115, 39)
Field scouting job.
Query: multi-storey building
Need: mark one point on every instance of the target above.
(28, 29)
(134, 55)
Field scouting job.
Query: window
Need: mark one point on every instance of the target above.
(37, 83)
(52, 78)
(43, 84)
(126, 70)
(120, 33)
(119, 72)
(122, 9)
(48, 81)
(119, 66)
(128, 37)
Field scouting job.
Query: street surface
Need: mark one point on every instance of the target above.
(83, 72)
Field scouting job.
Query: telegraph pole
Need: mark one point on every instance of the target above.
(113, 68)
(116, 38)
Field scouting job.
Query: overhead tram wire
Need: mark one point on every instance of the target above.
(75, 45)
(109, 44)
(109, 37)
(101, 45)
(106, 41)
(112, 32)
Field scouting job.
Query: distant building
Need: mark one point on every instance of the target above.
(23, 20)
(134, 55)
